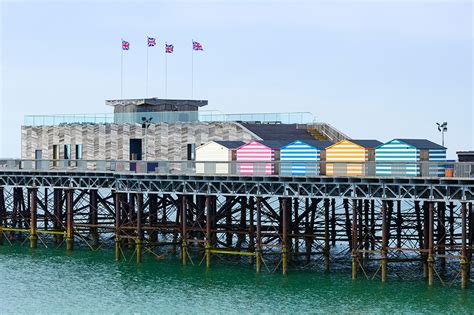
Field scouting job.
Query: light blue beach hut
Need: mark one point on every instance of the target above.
(398, 153)
(302, 157)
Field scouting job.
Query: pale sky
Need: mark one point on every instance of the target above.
(373, 69)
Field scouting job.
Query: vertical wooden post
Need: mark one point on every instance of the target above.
(284, 236)
(33, 217)
(426, 233)
(251, 227)
(69, 219)
(118, 218)
(441, 235)
(333, 222)
(326, 235)
(2, 213)
(399, 221)
(208, 232)
(184, 244)
(258, 249)
(354, 239)
(430, 244)
(93, 220)
(153, 216)
(464, 259)
(384, 242)
(139, 238)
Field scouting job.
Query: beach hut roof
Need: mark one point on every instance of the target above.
(368, 144)
(422, 144)
(321, 145)
(230, 144)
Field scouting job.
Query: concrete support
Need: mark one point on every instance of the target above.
(33, 217)
(69, 219)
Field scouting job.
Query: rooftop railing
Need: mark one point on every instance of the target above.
(272, 169)
(168, 117)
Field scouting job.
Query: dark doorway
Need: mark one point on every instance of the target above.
(135, 149)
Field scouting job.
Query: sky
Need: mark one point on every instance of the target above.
(372, 69)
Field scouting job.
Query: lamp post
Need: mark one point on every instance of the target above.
(442, 127)
(145, 124)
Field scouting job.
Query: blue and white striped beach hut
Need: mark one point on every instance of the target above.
(302, 158)
(405, 151)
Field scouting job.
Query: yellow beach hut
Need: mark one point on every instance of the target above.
(347, 153)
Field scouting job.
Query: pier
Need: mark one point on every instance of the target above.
(273, 222)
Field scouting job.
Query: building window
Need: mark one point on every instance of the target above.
(191, 151)
(78, 151)
(67, 151)
(55, 152)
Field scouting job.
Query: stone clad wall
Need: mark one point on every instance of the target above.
(112, 141)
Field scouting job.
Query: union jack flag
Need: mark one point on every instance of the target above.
(125, 45)
(151, 41)
(169, 48)
(197, 46)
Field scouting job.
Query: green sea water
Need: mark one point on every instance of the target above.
(51, 281)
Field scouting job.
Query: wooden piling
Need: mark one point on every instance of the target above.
(354, 239)
(69, 219)
(184, 233)
(464, 259)
(430, 259)
(33, 217)
(139, 237)
(384, 242)
(326, 235)
(208, 231)
(258, 236)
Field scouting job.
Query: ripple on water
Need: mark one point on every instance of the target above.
(51, 281)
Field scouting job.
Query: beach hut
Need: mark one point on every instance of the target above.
(302, 157)
(261, 154)
(410, 150)
(347, 154)
(217, 151)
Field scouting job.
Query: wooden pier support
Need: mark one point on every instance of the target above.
(326, 235)
(33, 217)
(383, 253)
(464, 258)
(184, 233)
(284, 236)
(139, 238)
(69, 219)
(258, 236)
(208, 231)
(118, 220)
(430, 259)
(93, 217)
(354, 240)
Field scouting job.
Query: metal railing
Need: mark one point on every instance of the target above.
(167, 117)
(270, 168)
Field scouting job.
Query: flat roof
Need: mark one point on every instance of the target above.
(155, 101)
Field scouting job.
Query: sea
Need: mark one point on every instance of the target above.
(53, 281)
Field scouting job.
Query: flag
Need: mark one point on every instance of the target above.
(169, 48)
(197, 46)
(151, 41)
(125, 45)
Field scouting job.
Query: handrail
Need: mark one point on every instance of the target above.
(260, 168)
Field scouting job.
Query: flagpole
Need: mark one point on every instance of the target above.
(192, 70)
(146, 87)
(166, 72)
(121, 71)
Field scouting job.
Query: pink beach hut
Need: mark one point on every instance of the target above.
(260, 156)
